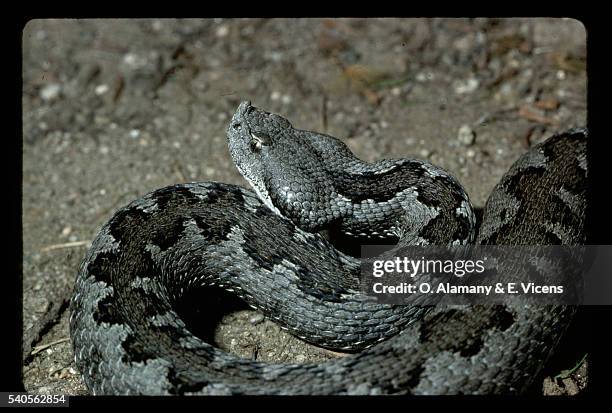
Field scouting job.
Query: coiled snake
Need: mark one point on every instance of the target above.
(128, 338)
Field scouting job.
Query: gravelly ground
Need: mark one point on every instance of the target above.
(113, 109)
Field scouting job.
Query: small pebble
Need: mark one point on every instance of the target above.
(133, 61)
(100, 120)
(424, 153)
(275, 56)
(514, 63)
(50, 92)
(466, 86)
(286, 99)
(300, 358)
(130, 59)
(275, 95)
(466, 135)
(64, 373)
(101, 89)
(256, 319)
(104, 150)
(222, 31)
(134, 133)
(66, 231)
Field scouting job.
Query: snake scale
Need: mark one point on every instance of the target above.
(129, 339)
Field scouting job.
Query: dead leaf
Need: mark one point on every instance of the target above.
(534, 116)
(547, 104)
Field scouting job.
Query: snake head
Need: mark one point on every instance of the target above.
(279, 162)
(253, 137)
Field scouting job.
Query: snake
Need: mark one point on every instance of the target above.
(273, 247)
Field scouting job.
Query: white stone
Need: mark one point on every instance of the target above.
(51, 91)
(101, 89)
(466, 86)
(222, 31)
(466, 135)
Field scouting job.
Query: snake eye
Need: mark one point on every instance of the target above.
(236, 125)
(256, 145)
(259, 141)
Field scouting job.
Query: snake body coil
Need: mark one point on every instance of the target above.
(128, 338)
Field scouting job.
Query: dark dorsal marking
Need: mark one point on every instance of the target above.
(377, 187)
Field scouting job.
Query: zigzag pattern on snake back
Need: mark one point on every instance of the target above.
(128, 338)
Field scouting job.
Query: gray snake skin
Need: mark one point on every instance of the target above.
(128, 338)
